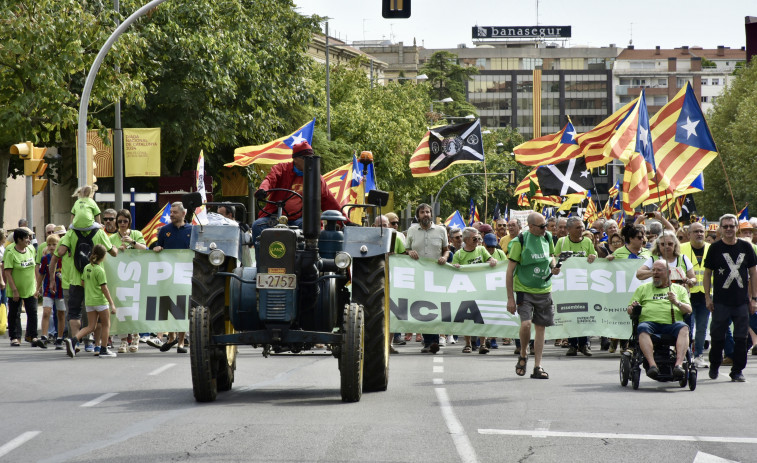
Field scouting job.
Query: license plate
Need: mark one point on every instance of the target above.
(276, 281)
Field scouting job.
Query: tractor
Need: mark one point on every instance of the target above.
(315, 285)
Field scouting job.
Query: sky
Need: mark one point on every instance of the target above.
(596, 23)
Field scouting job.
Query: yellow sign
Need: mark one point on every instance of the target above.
(277, 250)
(142, 152)
(103, 156)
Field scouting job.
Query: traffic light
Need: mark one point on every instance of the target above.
(34, 164)
(395, 9)
(91, 165)
(602, 171)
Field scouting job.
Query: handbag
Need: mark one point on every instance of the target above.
(3, 319)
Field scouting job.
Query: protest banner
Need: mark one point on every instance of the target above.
(150, 289)
(589, 299)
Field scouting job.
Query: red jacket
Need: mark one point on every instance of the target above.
(282, 176)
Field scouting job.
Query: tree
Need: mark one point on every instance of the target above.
(447, 80)
(733, 122)
(46, 49)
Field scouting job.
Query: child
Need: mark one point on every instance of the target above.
(85, 210)
(97, 300)
(49, 298)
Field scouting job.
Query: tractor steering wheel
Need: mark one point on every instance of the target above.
(280, 205)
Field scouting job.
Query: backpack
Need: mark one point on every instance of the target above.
(83, 250)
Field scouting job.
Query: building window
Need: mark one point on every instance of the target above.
(531, 63)
(704, 81)
(704, 99)
(715, 81)
(681, 81)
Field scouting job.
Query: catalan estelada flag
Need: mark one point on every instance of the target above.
(455, 220)
(273, 152)
(163, 217)
(683, 144)
(339, 182)
(594, 143)
(549, 149)
(590, 215)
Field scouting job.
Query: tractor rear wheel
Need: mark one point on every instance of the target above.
(369, 290)
(351, 359)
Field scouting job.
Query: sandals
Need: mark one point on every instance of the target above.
(15, 343)
(539, 373)
(520, 367)
(467, 350)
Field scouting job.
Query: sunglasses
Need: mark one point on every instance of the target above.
(542, 226)
(124, 221)
(728, 226)
(108, 219)
(394, 223)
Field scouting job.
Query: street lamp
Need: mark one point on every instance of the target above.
(443, 100)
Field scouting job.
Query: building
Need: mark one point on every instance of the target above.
(403, 62)
(341, 54)
(663, 72)
(517, 76)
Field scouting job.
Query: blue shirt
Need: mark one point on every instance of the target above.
(172, 237)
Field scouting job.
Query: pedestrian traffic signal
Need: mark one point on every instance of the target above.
(34, 164)
(395, 9)
(91, 165)
(23, 150)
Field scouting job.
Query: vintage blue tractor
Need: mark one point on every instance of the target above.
(294, 295)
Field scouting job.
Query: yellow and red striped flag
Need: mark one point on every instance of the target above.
(549, 149)
(273, 152)
(446, 145)
(163, 217)
(682, 141)
(594, 143)
(590, 214)
(339, 183)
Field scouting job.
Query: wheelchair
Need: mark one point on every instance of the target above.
(632, 361)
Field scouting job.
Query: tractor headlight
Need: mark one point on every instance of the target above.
(342, 260)
(216, 257)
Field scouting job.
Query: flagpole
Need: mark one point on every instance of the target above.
(486, 193)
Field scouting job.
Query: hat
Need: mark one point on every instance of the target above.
(59, 230)
(745, 225)
(713, 227)
(302, 148)
(594, 230)
(490, 239)
(485, 228)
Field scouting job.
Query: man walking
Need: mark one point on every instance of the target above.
(430, 242)
(696, 249)
(529, 288)
(732, 265)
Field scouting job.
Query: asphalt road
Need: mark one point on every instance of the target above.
(448, 407)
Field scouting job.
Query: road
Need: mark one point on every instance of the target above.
(448, 407)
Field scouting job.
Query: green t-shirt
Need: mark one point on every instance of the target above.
(94, 277)
(566, 244)
(533, 262)
(69, 275)
(135, 235)
(477, 256)
(22, 270)
(499, 255)
(399, 245)
(655, 304)
(625, 253)
(84, 211)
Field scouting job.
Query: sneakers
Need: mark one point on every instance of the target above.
(154, 342)
(122, 348)
(572, 352)
(134, 347)
(738, 378)
(89, 348)
(451, 339)
(653, 372)
(70, 348)
(39, 343)
(143, 339)
(713, 371)
(181, 350)
(678, 372)
(442, 341)
(59, 344)
(97, 351)
(107, 353)
(585, 349)
(493, 344)
(399, 341)
(425, 350)
(700, 362)
(168, 345)
(433, 348)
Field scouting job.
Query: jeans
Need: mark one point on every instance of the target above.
(700, 316)
(579, 341)
(721, 319)
(14, 317)
(429, 339)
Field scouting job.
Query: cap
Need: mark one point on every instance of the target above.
(302, 148)
(490, 239)
(59, 230)
(485, 228)
(745, 225)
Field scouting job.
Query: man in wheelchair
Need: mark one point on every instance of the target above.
(662, 305)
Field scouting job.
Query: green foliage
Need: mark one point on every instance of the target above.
(447, 80)
(733, 123)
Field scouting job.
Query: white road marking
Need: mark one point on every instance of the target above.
(161, 369)
(438, 381)
(438, 360)
(542, 427)
(438, 369)
(100, 399)
(17, 442)
(459, 438)
(702, 457)
(608, 435)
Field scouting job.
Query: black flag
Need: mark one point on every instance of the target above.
(688, 209)
(455, 143)
(565, 178)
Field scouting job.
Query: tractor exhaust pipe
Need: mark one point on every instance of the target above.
(311, 200)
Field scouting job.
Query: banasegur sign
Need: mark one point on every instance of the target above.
(521, 32)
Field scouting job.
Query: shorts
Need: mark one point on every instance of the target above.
(536, 308)
(660, 329)
(96, 308)
(74, 301)
(60, 304)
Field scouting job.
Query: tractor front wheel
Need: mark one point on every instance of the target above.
(351, 359)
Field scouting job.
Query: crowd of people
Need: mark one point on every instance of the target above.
(66, 272)
(650, 238)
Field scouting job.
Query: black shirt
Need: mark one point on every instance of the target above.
(729, 264)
